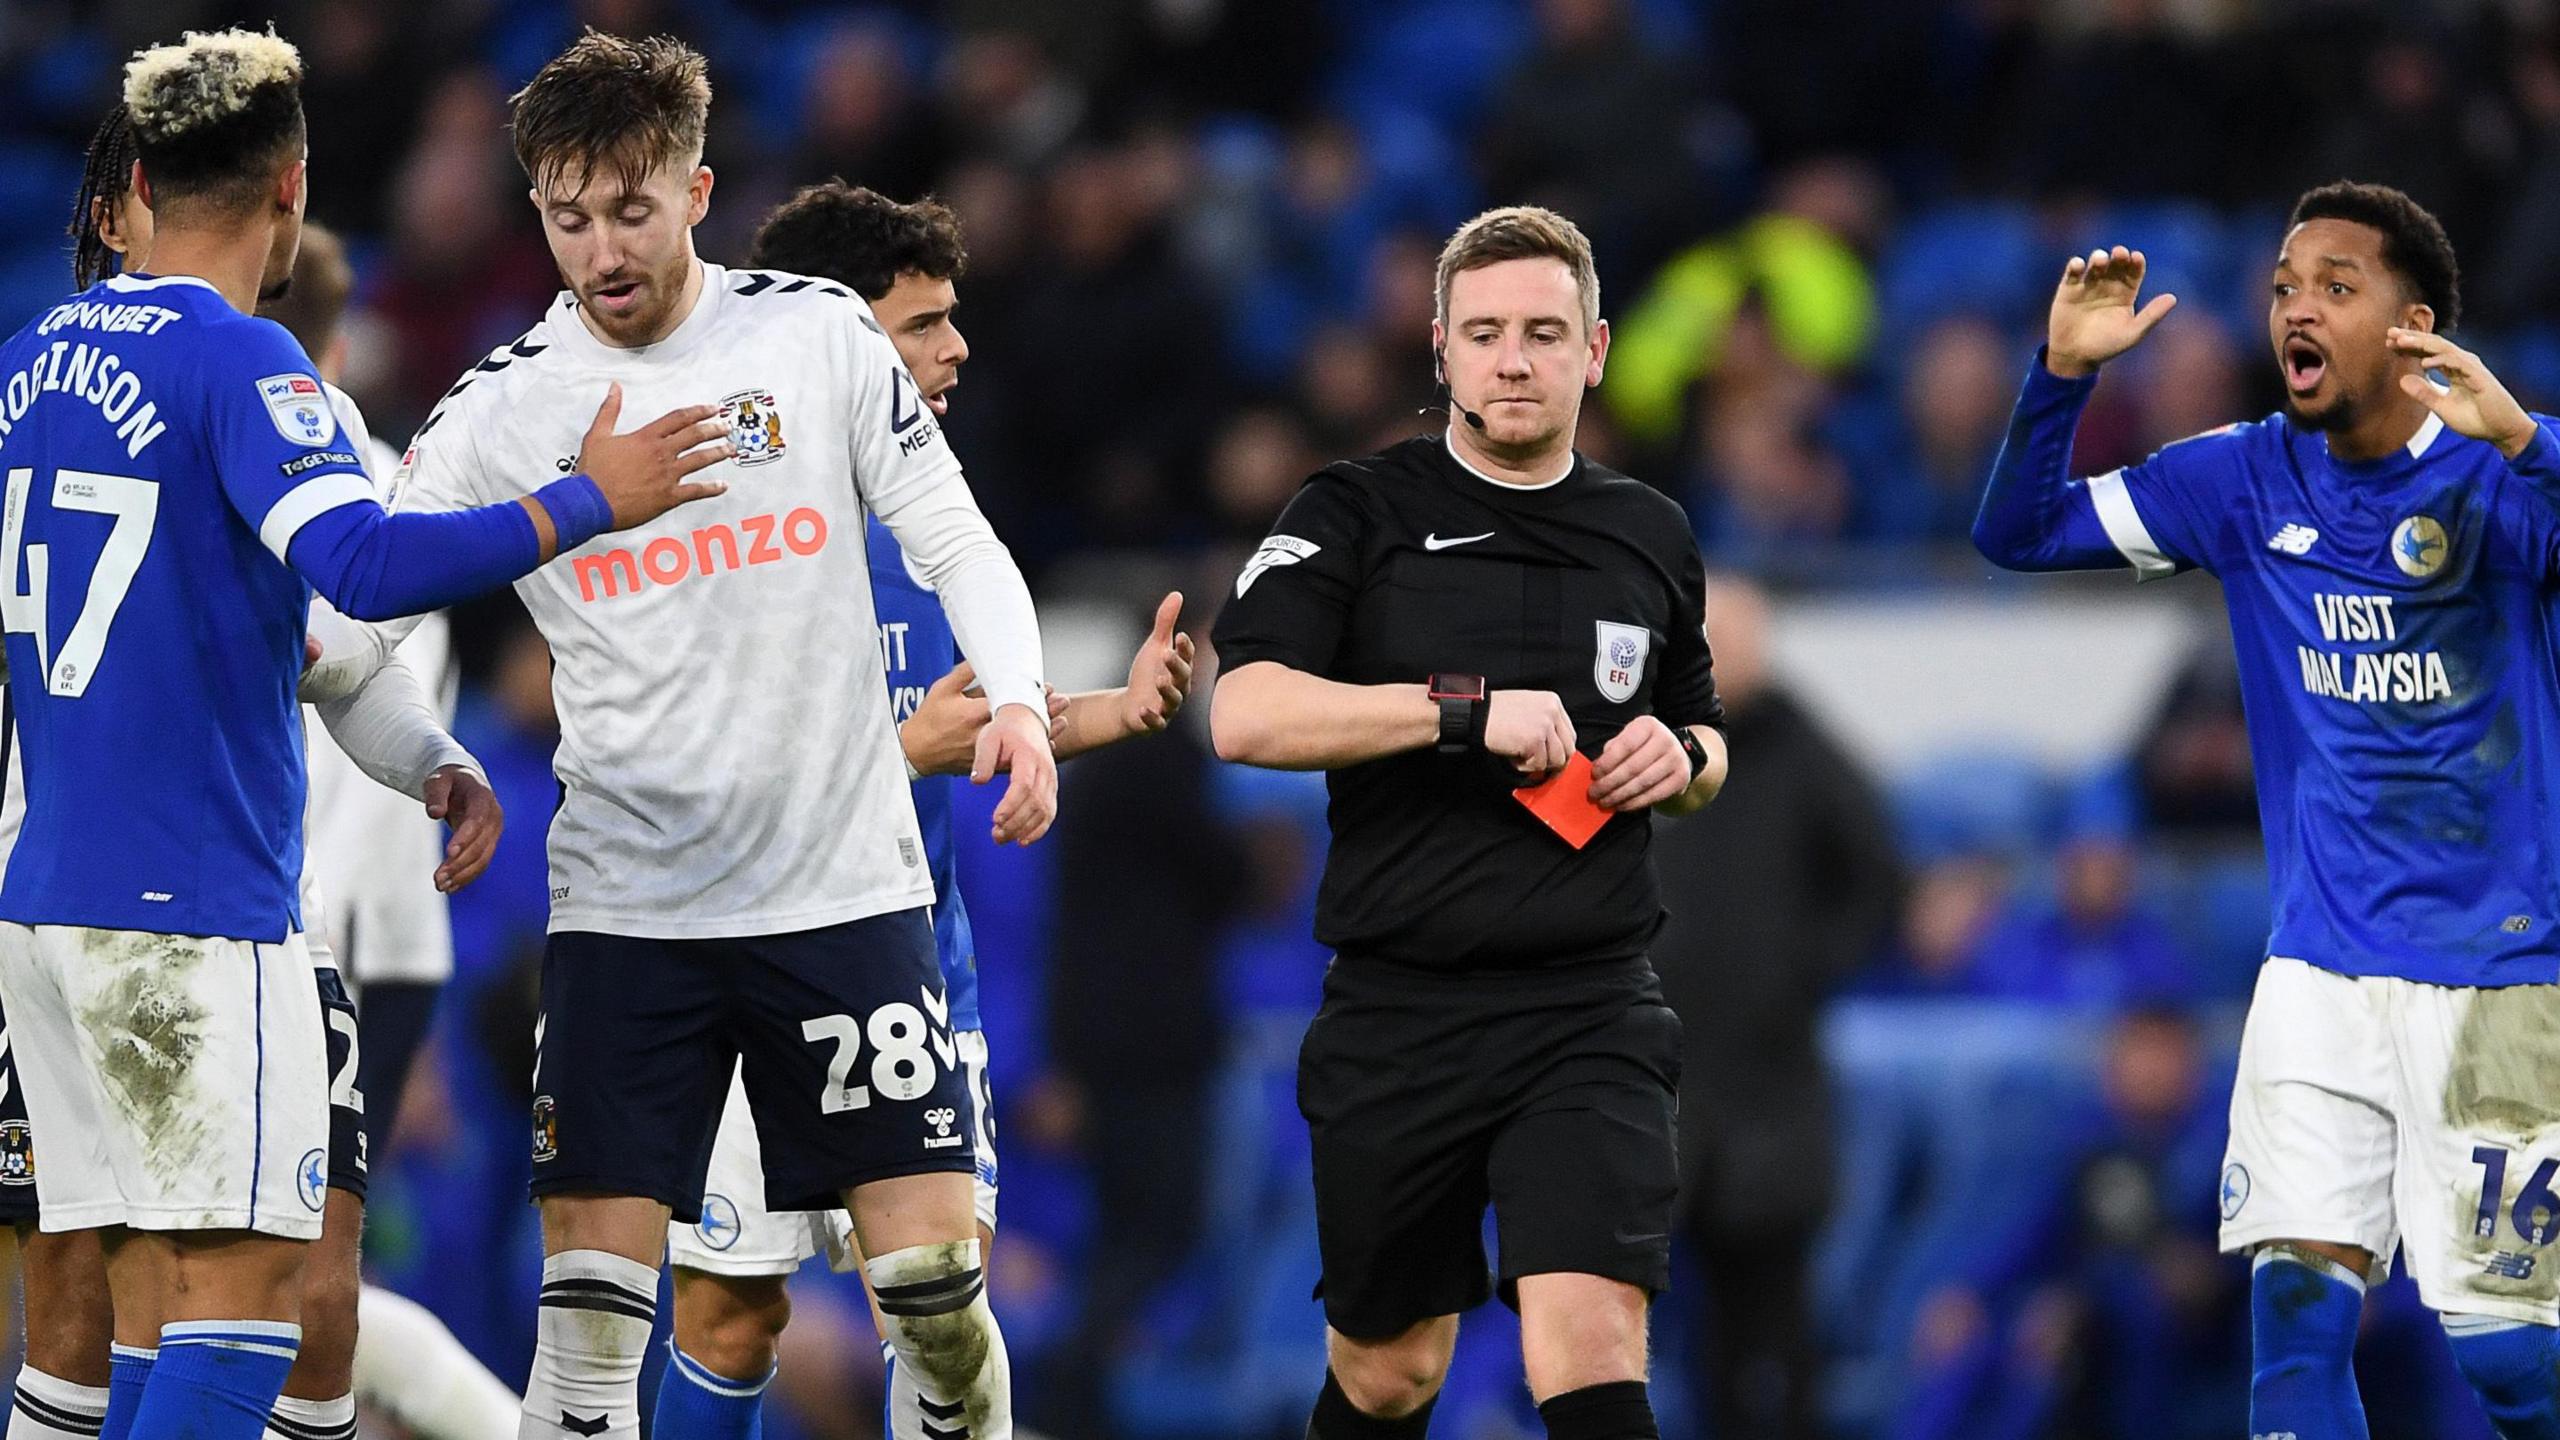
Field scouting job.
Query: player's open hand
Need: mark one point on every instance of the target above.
(1160, 674)
(1530, 729)
(941, 738)
(2473, 401)
(1016, 743)
(2093, 320)
(642, 472)
(1641, 766)
(470, 809)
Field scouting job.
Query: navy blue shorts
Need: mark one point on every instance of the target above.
(17, 1143)
(843, 1034)
(345, 1166)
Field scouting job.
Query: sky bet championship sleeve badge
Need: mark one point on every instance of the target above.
(300, 409)
(755, 426)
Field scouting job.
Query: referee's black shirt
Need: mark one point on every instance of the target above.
(1389, 569)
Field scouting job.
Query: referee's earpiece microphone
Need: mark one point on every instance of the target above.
(1440, 373)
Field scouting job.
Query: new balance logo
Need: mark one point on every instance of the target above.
(2509, 1265)
(2294, 539)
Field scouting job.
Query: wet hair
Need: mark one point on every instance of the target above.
(106, 176)
(1519, 232)
(860, 238)
(2413, 241)
(214, 117)
(610, 102)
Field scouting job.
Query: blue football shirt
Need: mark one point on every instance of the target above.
(916, 649)
(2399, 656)
(160, 450)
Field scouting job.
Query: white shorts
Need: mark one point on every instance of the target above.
(737, 1235)
(179, 1082)
(2381, 1113)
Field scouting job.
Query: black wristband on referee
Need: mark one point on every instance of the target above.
(1465, 709)
(1690, 747)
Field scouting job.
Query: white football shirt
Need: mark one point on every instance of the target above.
(369, 900)
(727, 755)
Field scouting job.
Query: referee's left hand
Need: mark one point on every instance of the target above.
(1016, 743)
(1641, 766)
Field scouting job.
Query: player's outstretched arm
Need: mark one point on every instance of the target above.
(390, 728)
(2035, 515)
(375, 565)
(1268, 714)
(1159, 683)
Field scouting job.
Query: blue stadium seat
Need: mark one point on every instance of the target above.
(1985, 258)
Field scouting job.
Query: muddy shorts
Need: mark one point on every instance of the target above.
(180, 1082)
(2385, 1113)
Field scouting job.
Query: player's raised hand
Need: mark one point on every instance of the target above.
(1016, 743)
(2093, 318)
(470, 809)
(1160, 673)
(2473, 401)
(941, 738)
(643, 472)
(1529, 728)
(1641, 766)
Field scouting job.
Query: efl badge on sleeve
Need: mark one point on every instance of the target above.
(300, 409)
(1618, 667)
(755, 426)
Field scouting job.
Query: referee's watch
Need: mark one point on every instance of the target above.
(1464, 708)
(1690, 747)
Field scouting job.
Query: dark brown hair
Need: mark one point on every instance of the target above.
(611, 102)
(860, 238)
(314, 304)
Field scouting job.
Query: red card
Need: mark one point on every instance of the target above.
(1563, 801)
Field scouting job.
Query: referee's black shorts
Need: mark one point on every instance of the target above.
(1552, 1095)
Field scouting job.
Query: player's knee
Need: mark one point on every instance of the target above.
(328, 1351)
(2510, 1367)
(932, 1300)
(731, 1324)
(1391, 1379)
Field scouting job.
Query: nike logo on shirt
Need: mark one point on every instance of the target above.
(1434, 542)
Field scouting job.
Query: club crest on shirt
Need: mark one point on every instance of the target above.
(1618, 665)
(2419, 548)
(17, 1153)
(755, 426)
(300, 409)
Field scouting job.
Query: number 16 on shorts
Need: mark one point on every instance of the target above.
(2535, 1215)
(908, 1053)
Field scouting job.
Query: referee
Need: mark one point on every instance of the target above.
(1437, 626)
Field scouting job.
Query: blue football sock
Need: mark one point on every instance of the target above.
(216, 1379)
(2303, 1312)
(128, 1370)
(695, 1404)
(2511, 1368)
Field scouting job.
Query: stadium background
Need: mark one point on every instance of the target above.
(1201, 236)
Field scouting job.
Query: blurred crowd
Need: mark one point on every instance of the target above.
(1960, 1038)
